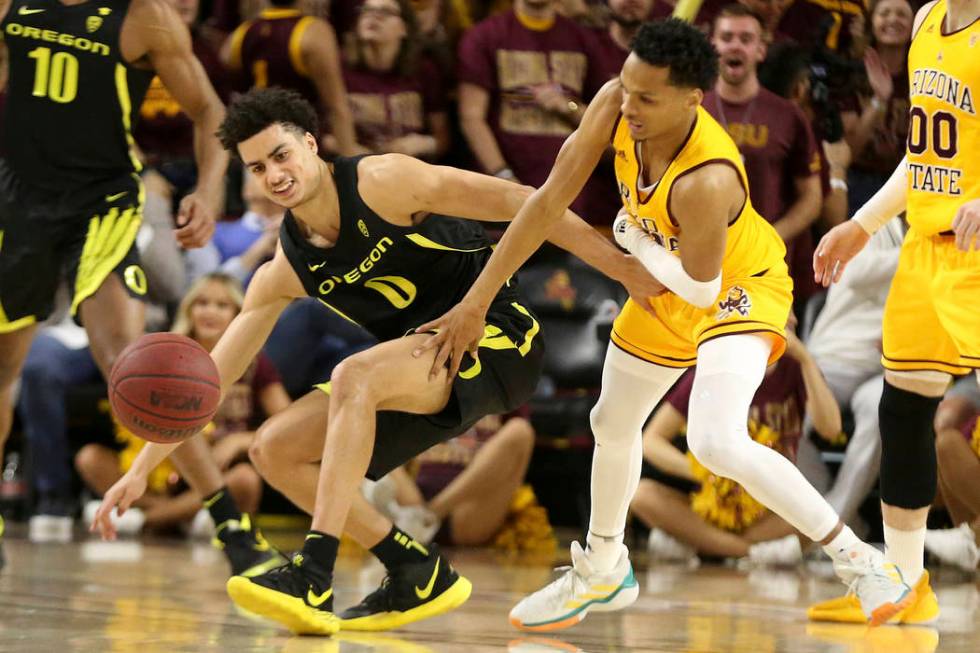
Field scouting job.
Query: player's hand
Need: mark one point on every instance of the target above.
(120, 496)
(640, 284)
(966, 226)
(195, 221)
(457, 332)
(879, 77)
(835, 251)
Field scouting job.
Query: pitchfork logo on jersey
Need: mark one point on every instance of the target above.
(737, 301)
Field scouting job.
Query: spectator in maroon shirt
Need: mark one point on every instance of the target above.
(774, 137)
(877, 125)
(397, 97)
(792, 388)
(625, 17)
(837, 26)
(525, 78)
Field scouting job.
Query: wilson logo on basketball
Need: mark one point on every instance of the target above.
(175, 402)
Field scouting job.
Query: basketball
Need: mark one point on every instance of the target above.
(164, 387)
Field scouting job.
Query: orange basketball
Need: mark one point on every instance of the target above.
(164, 387)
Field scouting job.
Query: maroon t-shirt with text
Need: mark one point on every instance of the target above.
(508, 60)
(387, 105)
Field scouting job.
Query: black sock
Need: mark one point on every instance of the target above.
(222, 507)
(399, 548)
(321, 549)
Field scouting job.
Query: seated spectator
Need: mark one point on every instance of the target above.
(688, 509)
(845, 342)
(204, 314)
(877, 127)
(397, 96)
(958, 454)
(464, 490)
(239, 247)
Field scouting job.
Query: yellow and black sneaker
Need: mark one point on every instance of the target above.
(299, 595)
(410, 592)
(247, 550)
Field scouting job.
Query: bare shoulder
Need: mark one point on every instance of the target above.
(712, 186)
(390, 170)
(4, 7)
(153, 26)
(154, 13)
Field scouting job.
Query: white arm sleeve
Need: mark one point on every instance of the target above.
(888, 202)
(663, 265)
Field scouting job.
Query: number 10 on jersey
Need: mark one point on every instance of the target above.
(56, 76)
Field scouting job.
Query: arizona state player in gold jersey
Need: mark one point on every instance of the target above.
(71, 198)
(688, 217)
(931, 327)
(388, 261)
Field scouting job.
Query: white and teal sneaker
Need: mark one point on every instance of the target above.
(579, 590)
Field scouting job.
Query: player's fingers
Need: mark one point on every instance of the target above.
(442, 355)
(839, 270)
(455, 364)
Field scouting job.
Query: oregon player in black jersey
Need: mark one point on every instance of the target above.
(370, 239)
(70, 196)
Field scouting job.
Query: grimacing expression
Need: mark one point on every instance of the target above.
(738, 40)
(284, 163)
(652, 106)
(891, 22)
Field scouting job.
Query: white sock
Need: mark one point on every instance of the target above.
(604, 551)
(843, 540)
(906, 549)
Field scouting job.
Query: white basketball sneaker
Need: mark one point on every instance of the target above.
(876, 583)
(579, 590)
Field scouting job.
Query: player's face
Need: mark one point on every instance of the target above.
(738, 40)
(284, 163)
(212, 311)
(891, 22)
(380, 21)
(652, 106)
(631, 11)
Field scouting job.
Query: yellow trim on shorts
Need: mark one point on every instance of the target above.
(126, 107)
(340, 313)
(324, 387)
(109, 239)
(296, 45)
(6, 326)
(927, 366)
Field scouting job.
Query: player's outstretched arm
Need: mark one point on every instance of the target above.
(271, 290)
(461, 328)
(166, 42)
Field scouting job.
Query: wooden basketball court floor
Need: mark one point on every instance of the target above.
(167, 596)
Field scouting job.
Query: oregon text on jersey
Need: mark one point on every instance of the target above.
(51, 36)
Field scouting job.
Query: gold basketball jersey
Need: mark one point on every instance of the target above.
(944, 129)
(752, 246)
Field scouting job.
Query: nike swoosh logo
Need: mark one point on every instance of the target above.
(24, 11)
(317, 601)
(424, 594)
(314, 268)
(113, 198)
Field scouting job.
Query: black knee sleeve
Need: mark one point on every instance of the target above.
(908, 448)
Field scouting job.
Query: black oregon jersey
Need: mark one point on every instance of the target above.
(71, 98)
(390, 279)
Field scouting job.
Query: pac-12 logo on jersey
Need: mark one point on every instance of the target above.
(737, 301)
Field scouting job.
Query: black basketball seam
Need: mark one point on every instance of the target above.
(178, 377)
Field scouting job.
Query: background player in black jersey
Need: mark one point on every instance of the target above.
(369, 237)
(71, 199)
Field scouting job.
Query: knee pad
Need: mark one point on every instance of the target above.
(908, 448)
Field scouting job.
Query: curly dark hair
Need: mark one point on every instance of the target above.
(249, 114)
(681, 47)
